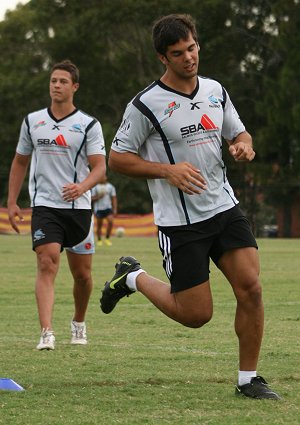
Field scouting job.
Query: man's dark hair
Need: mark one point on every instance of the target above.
(68, 66)
(169, 29)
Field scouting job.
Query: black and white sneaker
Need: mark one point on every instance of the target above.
(257, 388)
(116, 288)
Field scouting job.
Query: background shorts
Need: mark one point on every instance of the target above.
(187, 249)
(103, 213)
(72, 229)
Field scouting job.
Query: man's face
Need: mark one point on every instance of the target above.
(182, 58)
(61, 86)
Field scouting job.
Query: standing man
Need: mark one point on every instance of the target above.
(171, 134)
(104, 197)
(62, 143)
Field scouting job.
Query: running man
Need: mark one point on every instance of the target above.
(172, 135)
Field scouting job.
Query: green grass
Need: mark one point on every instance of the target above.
(140, 367)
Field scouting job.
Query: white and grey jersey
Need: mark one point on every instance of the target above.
(107, 192)
(59, 150)
(166, 126)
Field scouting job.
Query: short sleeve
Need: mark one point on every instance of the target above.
(232, 124)
(25, 145)
(95, 140)
(133, 131)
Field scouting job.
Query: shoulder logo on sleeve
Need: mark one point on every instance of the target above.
(125, 127)
(116, 141)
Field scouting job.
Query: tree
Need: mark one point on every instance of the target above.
(251, 47)
(279, 134)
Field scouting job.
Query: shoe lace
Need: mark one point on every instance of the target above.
(46, 335)
(79, 331)
(259, 379)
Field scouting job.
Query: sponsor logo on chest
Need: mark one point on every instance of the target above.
(203, 126)
(58, 141)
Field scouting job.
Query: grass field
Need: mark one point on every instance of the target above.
(140, 367)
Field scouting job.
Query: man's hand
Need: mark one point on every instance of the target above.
(242, 151)
(13, 212)
(183, 175)
(186, 177)
(72, 191)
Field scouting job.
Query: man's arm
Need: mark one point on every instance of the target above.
(183, 175)
(241, 148)
(17, 175)
(97, 196)
(114, 204)
(73, 191)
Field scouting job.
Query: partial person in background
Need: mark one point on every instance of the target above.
(105, 206)
(63, 144)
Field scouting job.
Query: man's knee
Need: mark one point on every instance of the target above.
(197, 319)
(250, 291)
(195, 306)
(47, 262)
(83, 278)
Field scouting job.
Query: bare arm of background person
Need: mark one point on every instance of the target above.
(16, 178)
(114, 203)
(183, 175)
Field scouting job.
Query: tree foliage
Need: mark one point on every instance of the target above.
(251, 47)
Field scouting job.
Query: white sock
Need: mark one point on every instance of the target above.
(78, 323)
(245, 376)
(131, 279)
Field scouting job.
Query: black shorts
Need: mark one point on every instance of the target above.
(103, 213)
(187, 249)
(68, 227)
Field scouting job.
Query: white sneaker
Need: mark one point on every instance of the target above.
(47, 340)
(78, 332)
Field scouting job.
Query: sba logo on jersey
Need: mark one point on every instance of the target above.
(205, 124)
(58, 141)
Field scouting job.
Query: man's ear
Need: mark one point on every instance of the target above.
(75, 87)
(163, 59)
